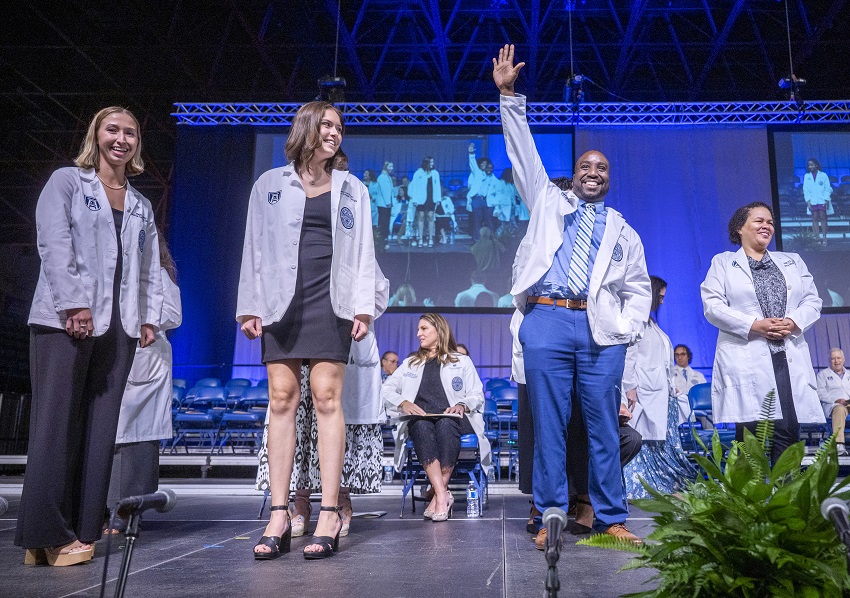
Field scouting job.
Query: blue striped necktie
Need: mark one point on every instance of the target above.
(577, 275)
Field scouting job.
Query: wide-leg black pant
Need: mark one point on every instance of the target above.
(77, 386)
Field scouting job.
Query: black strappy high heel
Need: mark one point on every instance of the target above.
(277, 544)
(329, 545)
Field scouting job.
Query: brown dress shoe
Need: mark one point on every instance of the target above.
(619, 530)
(540, 539)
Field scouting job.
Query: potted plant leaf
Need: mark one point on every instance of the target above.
(746, 529)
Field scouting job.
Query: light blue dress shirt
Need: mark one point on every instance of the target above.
(554, 282)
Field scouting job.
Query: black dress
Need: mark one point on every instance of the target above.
(310, 329)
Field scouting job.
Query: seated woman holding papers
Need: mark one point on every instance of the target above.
(436, 380)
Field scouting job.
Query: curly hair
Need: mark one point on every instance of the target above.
(739, 219)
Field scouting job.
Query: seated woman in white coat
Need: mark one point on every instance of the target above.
(437, 379)
(761, 302)
(145, 416)
(648, 387)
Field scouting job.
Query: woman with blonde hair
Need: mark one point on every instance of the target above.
(437, 379)
(99, 294)
(307, 289)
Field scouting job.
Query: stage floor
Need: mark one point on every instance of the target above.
(203, 548)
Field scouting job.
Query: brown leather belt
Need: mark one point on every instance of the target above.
(568, 303)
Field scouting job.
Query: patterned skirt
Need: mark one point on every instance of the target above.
(364, 446)
(661, 463)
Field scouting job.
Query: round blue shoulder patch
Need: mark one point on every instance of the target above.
(617, 256)
(457, 383)
(141, 241)
(347, 217)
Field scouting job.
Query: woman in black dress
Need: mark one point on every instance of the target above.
(307, 288)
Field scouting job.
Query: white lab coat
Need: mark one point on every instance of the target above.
(480, 183)
(743, 369)
(683, 381)
(384, 191)
(462, 385)
(418, 188)
(832, 387)
(361, 386)
(817, 191)
(78, 249)
(649, 370)
(146, 405)
(448, 209)
(517, 360)
(272, 235)
(619, 293)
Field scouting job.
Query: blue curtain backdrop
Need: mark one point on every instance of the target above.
(212, 182)
(677, 186)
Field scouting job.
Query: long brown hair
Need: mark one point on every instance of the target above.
(89, 156)
(304, 137)
(446, 344)
(165, 259)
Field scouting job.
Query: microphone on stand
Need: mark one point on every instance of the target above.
(836, 510)
(161, 500)
(555, 520)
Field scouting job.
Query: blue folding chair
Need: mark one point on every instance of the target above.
(468, 469)
(234, 393)
(242, 382)
(264, 383)
(196, 425)
(494, 383)
(699, 398)
(180, 382)
(507, 405)
(242, 428)
(208, 382)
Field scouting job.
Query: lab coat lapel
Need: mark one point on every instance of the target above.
(91, 184)
(741, 263)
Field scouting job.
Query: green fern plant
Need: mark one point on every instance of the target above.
(748, 529)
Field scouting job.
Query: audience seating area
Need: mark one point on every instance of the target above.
(210, 417)
(214, 418)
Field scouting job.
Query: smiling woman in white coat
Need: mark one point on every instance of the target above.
(648, 387)
(307, 288)
(436, 380)
(762, 302)
(99, 294)
(145, 416)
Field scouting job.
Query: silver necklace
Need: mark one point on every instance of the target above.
(105, 184)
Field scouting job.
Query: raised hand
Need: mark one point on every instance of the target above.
(504, 71)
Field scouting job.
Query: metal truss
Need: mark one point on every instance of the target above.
(607, 114)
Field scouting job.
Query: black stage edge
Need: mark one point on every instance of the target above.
(203, 548)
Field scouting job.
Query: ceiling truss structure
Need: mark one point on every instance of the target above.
(557, 114)
(61, 62)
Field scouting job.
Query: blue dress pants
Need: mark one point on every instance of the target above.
(559, 350)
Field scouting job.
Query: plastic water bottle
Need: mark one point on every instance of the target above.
(472, 507)
(388, 474)
(491, 475)
(484, 498)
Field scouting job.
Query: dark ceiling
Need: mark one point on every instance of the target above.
(61, 61)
